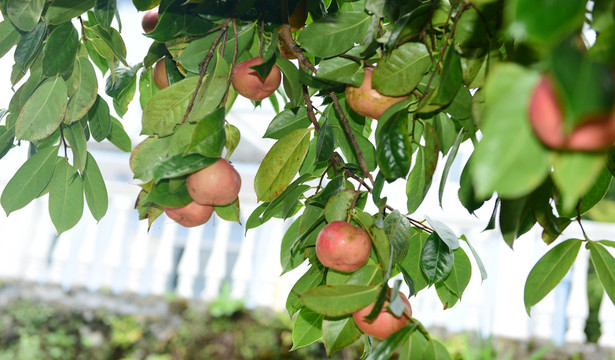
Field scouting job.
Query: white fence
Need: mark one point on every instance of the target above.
(120, 255)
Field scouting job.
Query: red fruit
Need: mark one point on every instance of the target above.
(343, 246)
(385, 323)
(160, 75)
(367, 101)
(546, 119)
(217, 184)
(247, 82)
(149, 21)
(190, 215)
(546, 116)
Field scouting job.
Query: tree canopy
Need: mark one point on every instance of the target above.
(372, 91)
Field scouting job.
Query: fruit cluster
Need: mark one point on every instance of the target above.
(344, 247)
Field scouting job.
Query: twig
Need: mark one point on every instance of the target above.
(233, 62)
(579, 221)
(203, 68)
(64, 142)
(85, 37)
(310, 107)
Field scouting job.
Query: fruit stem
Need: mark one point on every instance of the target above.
(203, 68)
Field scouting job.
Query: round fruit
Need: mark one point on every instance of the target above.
(247, 82)
(190, 215)
(217, 184)
(149, 21)
(298, 17)
(343, 246)
(160, 75)
(385, 323)
(546, 116)
(546, 119)
(367, 101)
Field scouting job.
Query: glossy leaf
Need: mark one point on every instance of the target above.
(8, 37)
(180, 165)
(75, 136)
(311, 279)
(61, 11)
(338, 334)
(28, 46)
(280, 165)
(434, 350)
(385, 349)
(604, 263)
(146, 156)
(414, 347)
(549, 271)
(325, 143)
(411, 263)
(445, 233)
(211, 93)
(335, 33)
(287, 121)
(29, 180)
(122, 88)
(338, 300)
(307, 328)
(399, 230)
(394, 147)
(209, 137)
(436, 259)
(402, 70)
(118, 136)
(459, 277)
(44, 110)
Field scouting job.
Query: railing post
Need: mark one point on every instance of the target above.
(188, 268)
(216, 265)
(163, 260)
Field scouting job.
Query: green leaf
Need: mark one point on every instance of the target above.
(118, 136)
(180, 165)
(233, 136)
(99, 119)
(122, 88)
(164, 193)
(402, 70)
(212, 91)
(281, 164)
(338, 205)
(434, 350)
(147, 87)
(24, 14)
(411, 263)
(307, 328)
(209, 136)
(60, 50)
(29, 180)
(385, 349)
(287, 121)
(574, 174)
(325, 144)
(229, 212)
(459, 277)
(339, 334)
(29, 46)
(449, 162)
(311, 279)
(104, 10)
(479, 262)
(334, 34)
(399, 231)
(83, 80)
(393, 146)
(509, 159)
(8, 37)
(549, 271)
(447, 297)
(369, 274)
(290, 80)
(75, 136)
(61, 11)
(65, 196)
(111, 40)
(445, 233)
(340, 69)
(95, 189)
(436, 259)
(289, 258)
(338, 300)
(167, 108)
(604, 263)
(146, 156)
(414, 347)
(44, 110)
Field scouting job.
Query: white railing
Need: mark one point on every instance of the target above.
(120, 255)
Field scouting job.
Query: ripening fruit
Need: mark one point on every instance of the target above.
(367, 101)
(385, 324)
(247, 82)
(343, 246)
(160, 75)
(216, 184)
(190, 215)
(149, 21)
(546, 119)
